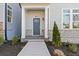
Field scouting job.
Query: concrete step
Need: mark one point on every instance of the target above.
(34, 37)
(32, 40)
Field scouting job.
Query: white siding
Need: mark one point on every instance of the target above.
(56, 12)
(56, 15)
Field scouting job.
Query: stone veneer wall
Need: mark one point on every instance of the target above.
(67, 36)
(1, 28)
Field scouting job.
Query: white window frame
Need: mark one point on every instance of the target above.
(8, 15)
(71, 19)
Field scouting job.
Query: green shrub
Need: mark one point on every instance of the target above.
(56, 40)
(1, 40)
(15, 40)
(72, 47)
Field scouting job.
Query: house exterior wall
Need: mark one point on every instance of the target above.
(30, 14)
(55, 10)
(14, 28)
(55, 14)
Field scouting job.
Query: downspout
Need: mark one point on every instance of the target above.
(21, 19)
(6, 21)
(20, 5)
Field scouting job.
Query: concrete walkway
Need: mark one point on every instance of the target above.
(35, 48)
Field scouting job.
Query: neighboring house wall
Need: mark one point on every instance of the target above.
(14, 28)
(2, 18)
(17, 19)
(55, 14)
(30, 14)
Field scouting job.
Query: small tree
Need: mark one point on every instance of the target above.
(56, 40)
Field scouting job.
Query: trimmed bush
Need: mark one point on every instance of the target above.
(15, 40)
(56, 40)
(72, 47)
(1, 40)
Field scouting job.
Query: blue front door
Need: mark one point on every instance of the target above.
(36, 26)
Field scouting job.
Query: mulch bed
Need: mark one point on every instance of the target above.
(64, 48)
(7, 49)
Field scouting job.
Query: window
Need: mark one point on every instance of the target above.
(75, 18)
(66, 18)
(76, 21)
(9, 14)
(70, 18)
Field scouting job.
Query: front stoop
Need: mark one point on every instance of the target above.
(35, 49)
(34, 38)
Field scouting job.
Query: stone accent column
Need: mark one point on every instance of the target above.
(1, 28)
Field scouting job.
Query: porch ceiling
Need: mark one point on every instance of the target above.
(34, 4)
(31, 9)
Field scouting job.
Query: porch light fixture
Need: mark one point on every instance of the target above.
(43, 18)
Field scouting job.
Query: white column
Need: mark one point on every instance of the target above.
(23, 24)
(46, 22)
(71, 19)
